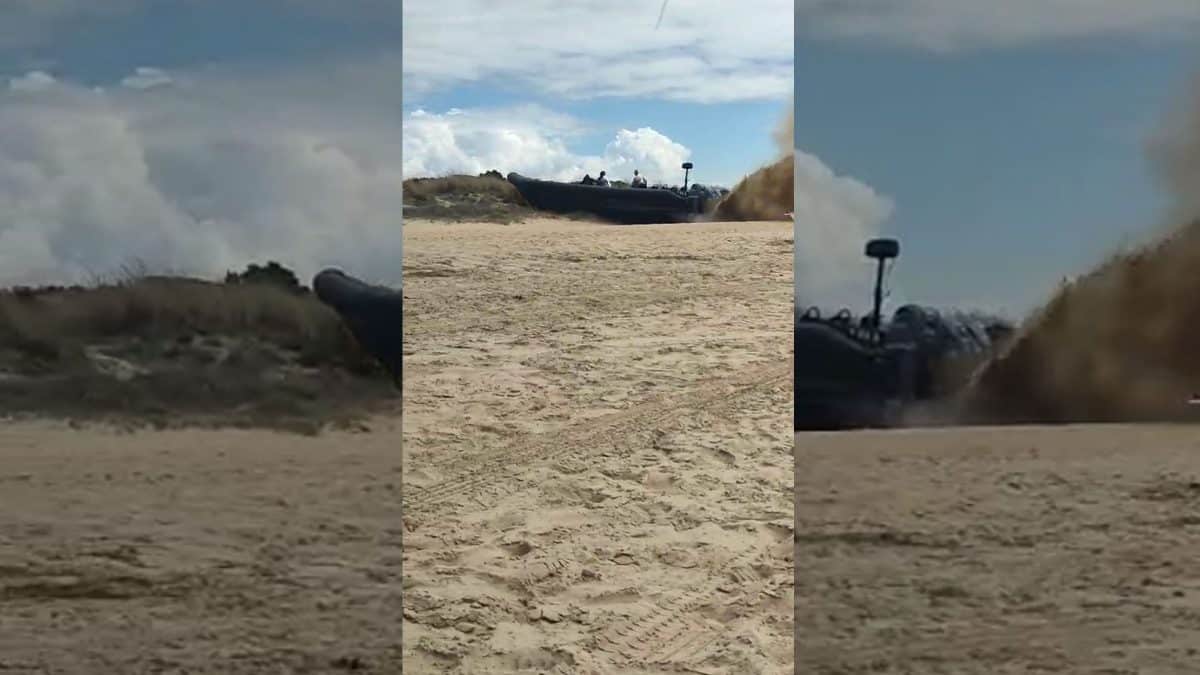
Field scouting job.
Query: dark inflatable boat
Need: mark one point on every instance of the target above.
(626, 205)
(374, 315)
(861, 372)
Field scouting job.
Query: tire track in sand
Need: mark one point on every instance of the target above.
(681, 630)
(669, 631)
(673, 632)
(482, 477)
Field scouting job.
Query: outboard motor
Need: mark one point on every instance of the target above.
(374, 315)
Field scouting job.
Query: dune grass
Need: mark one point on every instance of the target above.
(173, 351)
(491, 184)
(487, 197)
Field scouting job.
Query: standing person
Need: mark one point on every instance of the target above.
(602, 180)
(638, 180)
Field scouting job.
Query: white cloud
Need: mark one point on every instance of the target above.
(835, 216)
(146, 78)
(199, 179)
(948, 25)
(34, 80)
(704, 51)
(532, 141)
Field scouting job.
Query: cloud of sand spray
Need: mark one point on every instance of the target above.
(769, 192)
(1118, 344)
(834, 215)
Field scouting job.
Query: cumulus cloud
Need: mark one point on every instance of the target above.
(530, 140)
(197, 179)
(948, 25)
(34, 80)
(146, 78)
(835, 216)
(704, 51)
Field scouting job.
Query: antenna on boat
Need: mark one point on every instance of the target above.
(662, 10)
(687, 166)
(881, 250)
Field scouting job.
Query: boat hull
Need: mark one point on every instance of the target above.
(629, 206)
(374, 315)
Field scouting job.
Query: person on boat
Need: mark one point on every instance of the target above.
(638, 181)
(602, 180)
(588, 180)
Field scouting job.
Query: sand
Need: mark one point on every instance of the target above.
(598, 463)
(1003, 550)
(199, 551)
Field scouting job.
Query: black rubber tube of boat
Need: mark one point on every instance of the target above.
(374, 315)
(839, 383)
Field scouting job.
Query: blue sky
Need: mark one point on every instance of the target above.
(1012, 153)
(198, 136)
(99, 43)
(595, 87)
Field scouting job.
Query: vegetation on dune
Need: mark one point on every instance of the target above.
(488, 184)
(266, 303)
(257, 350)
(272, 273)
(488, 197)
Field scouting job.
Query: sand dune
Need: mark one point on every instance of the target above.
(998, 550)
(597, 462)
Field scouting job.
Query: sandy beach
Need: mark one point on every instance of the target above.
(998, 550)
(597, 461)
(199, 551)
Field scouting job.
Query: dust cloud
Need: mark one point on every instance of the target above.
(769, 192)
(1120, 343)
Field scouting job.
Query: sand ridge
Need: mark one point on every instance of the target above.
(597, 468)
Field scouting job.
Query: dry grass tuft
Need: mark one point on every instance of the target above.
(423, 190)
(54, 323)
(487, 197)
(175, 351)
